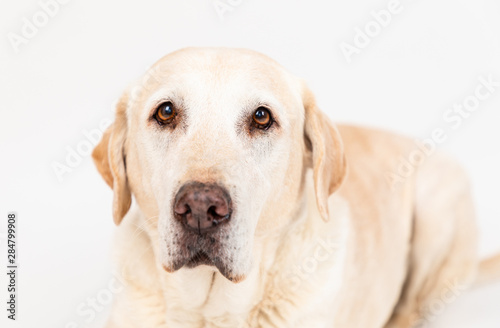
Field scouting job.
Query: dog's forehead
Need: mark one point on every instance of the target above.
(221, 63)
(222, 77)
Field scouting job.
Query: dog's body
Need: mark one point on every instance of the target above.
(388, 247)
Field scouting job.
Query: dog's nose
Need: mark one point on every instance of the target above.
(202, 207)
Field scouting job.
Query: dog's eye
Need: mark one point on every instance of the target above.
(262, 118)
(165, 113)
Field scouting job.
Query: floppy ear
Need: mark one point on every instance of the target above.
(109, 157)
(328, 159)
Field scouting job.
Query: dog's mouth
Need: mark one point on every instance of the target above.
(200, 258)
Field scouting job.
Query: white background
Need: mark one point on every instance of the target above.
(68, 75)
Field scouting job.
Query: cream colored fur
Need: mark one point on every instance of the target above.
(320, 239)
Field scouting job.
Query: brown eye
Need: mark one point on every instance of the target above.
(165, 113)
(262, 118)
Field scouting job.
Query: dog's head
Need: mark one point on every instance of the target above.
(214, 145)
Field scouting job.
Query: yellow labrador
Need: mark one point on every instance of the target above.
(253, 210)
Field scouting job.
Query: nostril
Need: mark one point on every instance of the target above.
(212, 213)
(183, 209)
(214, 217)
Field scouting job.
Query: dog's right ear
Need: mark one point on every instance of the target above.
(109, 157)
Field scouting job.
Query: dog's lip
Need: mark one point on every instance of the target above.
(198, 259)
(202, 258)
(190, 262)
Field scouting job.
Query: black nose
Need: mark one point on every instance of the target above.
(202, 207)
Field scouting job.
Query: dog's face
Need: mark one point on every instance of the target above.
(214, 144)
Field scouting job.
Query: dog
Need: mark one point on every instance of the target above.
(240, 204)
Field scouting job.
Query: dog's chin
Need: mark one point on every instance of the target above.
(200, 259)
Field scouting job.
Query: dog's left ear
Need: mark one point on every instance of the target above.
(326, 149)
